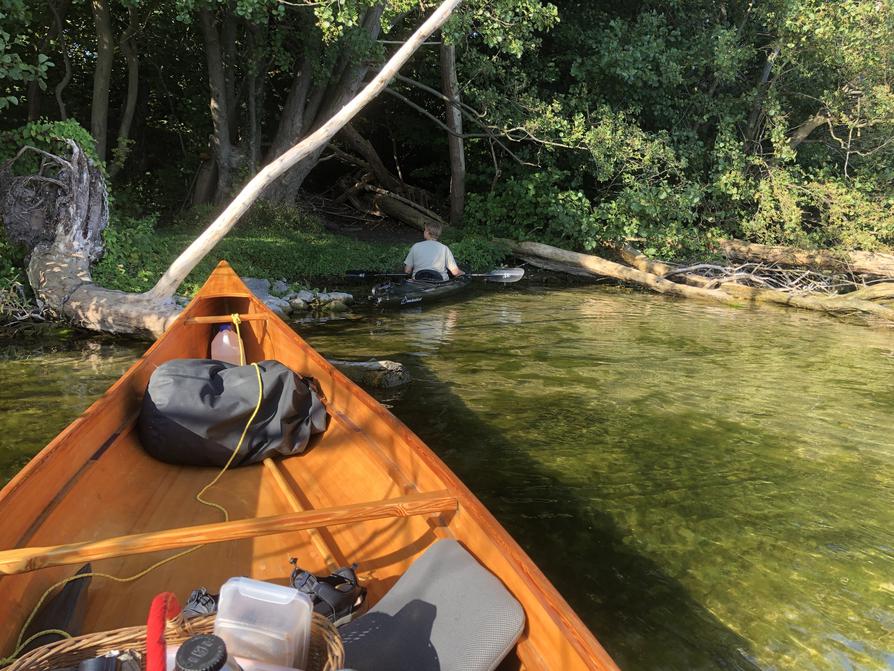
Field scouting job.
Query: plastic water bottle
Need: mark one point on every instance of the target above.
(225, 346)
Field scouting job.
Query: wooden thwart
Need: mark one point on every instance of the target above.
(227, 319)
(33, 558)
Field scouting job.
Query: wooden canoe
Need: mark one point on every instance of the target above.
(369, 492)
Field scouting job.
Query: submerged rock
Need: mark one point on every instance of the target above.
(334, 297)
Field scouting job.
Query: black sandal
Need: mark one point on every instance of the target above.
(336, 596)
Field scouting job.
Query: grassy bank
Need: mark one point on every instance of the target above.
(273, 243)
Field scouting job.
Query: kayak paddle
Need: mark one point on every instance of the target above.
(501, 275)
(498, 275)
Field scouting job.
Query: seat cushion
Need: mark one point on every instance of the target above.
(446, 613)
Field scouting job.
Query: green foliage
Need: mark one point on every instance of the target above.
(271, 242)
(823, 211)
(650, 122)
(50, 136)
(11, 260)
(474, 253)
(15, 36)
(135, 255)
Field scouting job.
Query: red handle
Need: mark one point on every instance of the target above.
(164, 607)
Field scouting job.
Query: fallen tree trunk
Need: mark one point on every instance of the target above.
(553, 258)
(836, 305)
(595, 265)
(60, 214)
(402, 209)
(380, 374)
(865, 263)
(881, 291)
(642, 262)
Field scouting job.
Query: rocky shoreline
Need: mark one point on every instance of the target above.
(280, 297)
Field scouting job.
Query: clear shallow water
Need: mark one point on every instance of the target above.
(46, 383)
(709, 488)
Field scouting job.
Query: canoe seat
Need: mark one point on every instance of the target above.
(446, 613)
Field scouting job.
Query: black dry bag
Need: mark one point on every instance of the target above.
(195, 411)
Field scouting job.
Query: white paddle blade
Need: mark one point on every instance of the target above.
(505, 275)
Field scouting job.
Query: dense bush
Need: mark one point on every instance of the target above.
(50, 136)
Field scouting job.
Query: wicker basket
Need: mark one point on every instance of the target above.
(326, 650)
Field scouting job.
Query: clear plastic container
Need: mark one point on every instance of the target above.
(264, 622)
(225, 346)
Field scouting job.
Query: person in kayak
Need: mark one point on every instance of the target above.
(430, 259)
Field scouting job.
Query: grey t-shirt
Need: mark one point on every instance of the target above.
(431, 255)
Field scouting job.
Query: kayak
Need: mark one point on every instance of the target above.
(416, 292)
(367, 492)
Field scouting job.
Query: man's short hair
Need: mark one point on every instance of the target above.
(434, 229)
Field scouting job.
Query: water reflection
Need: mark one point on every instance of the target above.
(47, 383)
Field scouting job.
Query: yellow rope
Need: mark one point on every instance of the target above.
(96, 574)
(236, 322)
(236, 451)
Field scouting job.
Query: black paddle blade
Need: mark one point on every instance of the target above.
(368, 274)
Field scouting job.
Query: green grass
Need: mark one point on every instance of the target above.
(269, 242)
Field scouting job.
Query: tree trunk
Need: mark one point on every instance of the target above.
(228, 33)
(256, 81)
(206, 183)
(373, 162)
(554, 258)
(102, 76)
(58, 13)
(365, 149)
(291, 124)
(313, 144)
(757, 109)
(220, 119)
(450, 85)
(866, 263)
(640, 261)
(595, 265)
(74, 209)
(133, 90)
(341, 88)
(400, 208)
(803, 131)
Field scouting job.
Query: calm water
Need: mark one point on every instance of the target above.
(46, 383)
(709, 488)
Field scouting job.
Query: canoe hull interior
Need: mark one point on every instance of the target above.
(94, 482)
